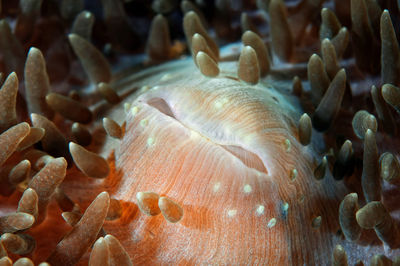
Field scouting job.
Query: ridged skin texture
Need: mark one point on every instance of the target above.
(221, 158)
(218, 147)
(225, 152)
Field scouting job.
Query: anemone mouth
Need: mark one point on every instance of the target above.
(248, 158)
(162, 106)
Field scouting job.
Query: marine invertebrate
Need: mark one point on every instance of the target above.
(260, 152)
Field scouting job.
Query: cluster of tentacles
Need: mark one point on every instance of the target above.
(340, 60)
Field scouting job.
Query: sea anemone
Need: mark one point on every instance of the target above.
(274, 143)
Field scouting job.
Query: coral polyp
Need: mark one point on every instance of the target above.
(136, 134)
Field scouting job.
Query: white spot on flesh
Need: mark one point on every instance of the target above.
(249, 139)
(217, 186)
(247, 188)
(134, 110)
(156, 87)
(293, 174)
(288, 145)
(316, 222)
(194, 135)
(272, 222)
(232, 213)
(220, 103)
(145, 88)
(144, 122)
(127, 106)
(260, 209)
(150, 141)
(285, 206)
(166, 77)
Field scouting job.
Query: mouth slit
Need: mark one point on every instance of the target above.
(162, 106)
(247, 157)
